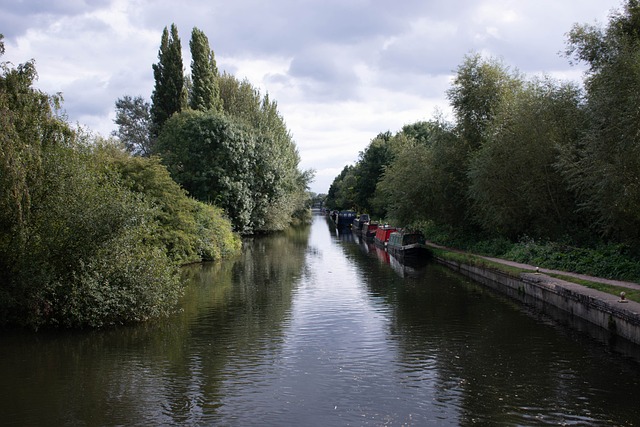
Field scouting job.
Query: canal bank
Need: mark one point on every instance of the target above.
(568, 302)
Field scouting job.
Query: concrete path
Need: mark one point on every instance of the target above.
(629, 285)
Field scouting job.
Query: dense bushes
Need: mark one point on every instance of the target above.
(89, 235)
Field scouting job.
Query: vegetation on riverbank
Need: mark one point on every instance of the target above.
(94, 231)
(220, 138)
(534, 170)
(480, 261)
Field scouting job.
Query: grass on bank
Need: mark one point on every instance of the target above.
(591, 257)
(479, 261)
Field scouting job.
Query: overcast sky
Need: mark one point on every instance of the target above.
(342, 71)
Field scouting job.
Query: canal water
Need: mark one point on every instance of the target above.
(315, 328)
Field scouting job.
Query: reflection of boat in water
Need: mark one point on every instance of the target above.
(406, 270)
(366, 247)
(382, 254)
(344, 235)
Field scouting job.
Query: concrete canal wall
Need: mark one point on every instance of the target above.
(563, 300)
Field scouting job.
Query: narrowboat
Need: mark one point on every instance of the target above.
(407, 244)
(359, 223)
(382, 235)
(369, 231)
(343, 219)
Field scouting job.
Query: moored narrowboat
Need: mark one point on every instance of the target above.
(407, 244)
(382, 235)
(359, 223)
(369, 231)
(343, 219)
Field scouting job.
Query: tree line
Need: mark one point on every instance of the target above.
(527, 158)
(219, 137)
(93, 230)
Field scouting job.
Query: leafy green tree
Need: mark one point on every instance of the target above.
(341, 195)
(428, 181)
(134, 120)
(169, 91)
(248, 174)
(477, 90)
(191, 231)
(420, 132)
(370, 168)
(279, 186)
(214, 159)
(29, 123)
(204, 93)
(75, 245)
(515, 180)
(240, 99)
(605, 169)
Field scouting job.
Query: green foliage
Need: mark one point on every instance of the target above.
(205, 93)
(169, 91)
(478, 89)
(123, 282)
(605, 169)
(249, 162)
(614, 261)
(370, 168)
(86, 238)
(190, 230)
(341, 194)
(253, 177)
(515, 180)
(232, 148)
(427, 181)
(213, 159)
(89, 236)
(134, 120)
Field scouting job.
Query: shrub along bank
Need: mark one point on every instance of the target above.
(89, 236)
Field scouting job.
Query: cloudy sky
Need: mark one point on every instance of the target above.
(342, 71)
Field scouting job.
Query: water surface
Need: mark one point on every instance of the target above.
(314, 328)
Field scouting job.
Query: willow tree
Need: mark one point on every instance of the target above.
(169, 91)
(74, 248)
(477, 90)
(606, 168)
(515, 179)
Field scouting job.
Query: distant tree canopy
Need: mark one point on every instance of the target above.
(525, 156)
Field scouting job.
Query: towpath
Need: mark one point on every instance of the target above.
(623, 284)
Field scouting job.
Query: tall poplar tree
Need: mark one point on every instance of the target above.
(205, 92)
(168, 93)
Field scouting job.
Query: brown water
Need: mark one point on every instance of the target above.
(312, 328)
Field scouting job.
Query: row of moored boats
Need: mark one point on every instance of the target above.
(400, 242)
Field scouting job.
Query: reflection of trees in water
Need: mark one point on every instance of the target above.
(463, 350)
(242, 320)
(167, 372)
(485, 354)
(498, 363)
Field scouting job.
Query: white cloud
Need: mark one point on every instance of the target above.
(341, 72)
